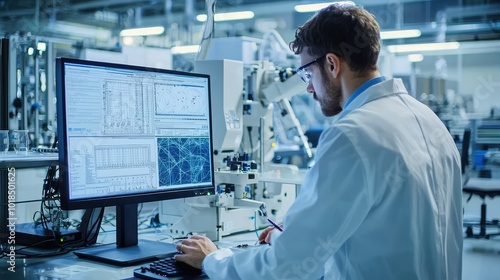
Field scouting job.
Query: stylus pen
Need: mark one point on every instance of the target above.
(274, 224)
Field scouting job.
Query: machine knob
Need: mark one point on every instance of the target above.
(234, 167)
(253, 165)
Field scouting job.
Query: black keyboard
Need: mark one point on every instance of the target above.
(167, 267)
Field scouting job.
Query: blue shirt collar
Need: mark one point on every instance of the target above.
(363, 87)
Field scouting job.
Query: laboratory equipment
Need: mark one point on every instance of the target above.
(244, 142)
(232, 209)
(4, 141)
(246, 85)
(29, 92)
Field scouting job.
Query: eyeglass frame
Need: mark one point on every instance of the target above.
(302, 70)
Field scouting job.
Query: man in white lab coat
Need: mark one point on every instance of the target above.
(383, 200)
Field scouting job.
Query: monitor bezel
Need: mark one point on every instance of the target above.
(117, 200)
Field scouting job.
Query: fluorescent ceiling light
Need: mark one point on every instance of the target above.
(145, 31)
(228, 16)
(399, 34)
(423, 47)
(308, 8)
(80, 30)
(416, 57)
(185, 49)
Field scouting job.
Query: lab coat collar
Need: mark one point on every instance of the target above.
(379, 90)
(363, 87)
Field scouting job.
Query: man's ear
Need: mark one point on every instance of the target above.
(334, 64)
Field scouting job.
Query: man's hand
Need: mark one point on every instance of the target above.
(195, 249)
(265, 236)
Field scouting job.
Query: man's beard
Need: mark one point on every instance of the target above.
(330, 99)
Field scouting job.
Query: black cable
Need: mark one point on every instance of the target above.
(51, 202)
(50, 196)
(72, 245)
(54, 145)
(107, 220)
(249, 129)
(141, 205)
(50, 209)
(44, 255)
(93, 228)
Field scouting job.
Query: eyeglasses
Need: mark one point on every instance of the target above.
(305, 74)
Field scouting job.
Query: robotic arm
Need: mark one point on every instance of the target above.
(280, 91)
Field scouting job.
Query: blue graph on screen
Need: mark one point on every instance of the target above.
(183, 161)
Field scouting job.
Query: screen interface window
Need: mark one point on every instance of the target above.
(133, 131)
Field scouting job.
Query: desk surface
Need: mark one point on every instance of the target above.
(69, 266)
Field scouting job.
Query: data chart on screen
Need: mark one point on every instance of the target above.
(135, 131)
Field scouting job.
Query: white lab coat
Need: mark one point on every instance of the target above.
(383, 201)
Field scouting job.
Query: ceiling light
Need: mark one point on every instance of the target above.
(128, 41)
(308, 8)
(185, 49)
(79, 30)
(41, 46)
(145, 31)
(228, 16)
(416, 57)
(399, 34)
(423, 47)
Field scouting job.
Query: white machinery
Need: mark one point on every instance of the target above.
(242, 114)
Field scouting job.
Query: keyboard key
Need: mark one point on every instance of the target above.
(164, 268)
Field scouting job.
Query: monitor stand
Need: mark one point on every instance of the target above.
(128, 250)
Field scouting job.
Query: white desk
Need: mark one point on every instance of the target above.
(69, 266)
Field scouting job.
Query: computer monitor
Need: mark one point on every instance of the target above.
(128, 135)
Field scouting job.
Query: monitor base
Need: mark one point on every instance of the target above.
(145, 251)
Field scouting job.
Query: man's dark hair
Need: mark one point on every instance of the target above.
(350, 32)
